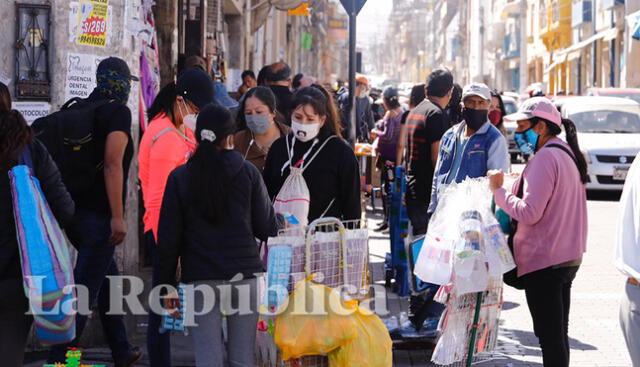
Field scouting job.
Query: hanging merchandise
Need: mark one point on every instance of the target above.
(172, 323)
(467, 257)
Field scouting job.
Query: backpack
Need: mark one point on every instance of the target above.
(293, 198)
(68, 135)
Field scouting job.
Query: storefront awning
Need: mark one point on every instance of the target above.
(510, 9)
(559, 59)
(607, 35)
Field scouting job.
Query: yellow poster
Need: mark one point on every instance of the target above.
(92, 23)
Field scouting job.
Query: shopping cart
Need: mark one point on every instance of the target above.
(336, 252)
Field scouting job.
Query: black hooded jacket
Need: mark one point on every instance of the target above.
(214, 252)
(59, 200)
(332, 176)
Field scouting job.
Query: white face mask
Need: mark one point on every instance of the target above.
(363, 94)
(305, 132)
(189, 120)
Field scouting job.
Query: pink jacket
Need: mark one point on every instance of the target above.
(156, 160)
(552, 214)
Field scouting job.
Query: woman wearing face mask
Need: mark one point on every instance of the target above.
(549, 204)
(166, 144)
(333, 176)
(213, 209)
(497, 112)
(258, 113)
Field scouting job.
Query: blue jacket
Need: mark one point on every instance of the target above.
(485, 150)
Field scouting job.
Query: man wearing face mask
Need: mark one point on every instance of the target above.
(364, 114)
(471, 148)
(99, 225)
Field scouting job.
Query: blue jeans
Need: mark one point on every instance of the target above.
(89, 233)
(158, 345)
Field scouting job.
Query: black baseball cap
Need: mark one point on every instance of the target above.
(195, 85)
(390, 92)
(118, 65)
(215, 122)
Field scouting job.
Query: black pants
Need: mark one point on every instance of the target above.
(386, 178)
(548, 294)
(417, 198)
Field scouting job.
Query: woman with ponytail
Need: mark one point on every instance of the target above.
(166, 144)
(16, 137)
(213, 209)
(548, 207)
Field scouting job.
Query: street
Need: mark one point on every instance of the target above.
(594, 331)
(596, 339)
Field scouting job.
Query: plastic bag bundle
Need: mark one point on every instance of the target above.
(372, 347)
(315, 322)
(45, 259)
(477, 231)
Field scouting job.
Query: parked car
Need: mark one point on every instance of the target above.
(609, 137)
(511, 106)
(630, 93)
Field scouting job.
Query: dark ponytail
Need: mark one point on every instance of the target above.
(572, 139)
(571, 134)
(209, 179)
(210, 182)
(164, 102)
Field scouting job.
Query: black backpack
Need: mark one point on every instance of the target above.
(69, 137)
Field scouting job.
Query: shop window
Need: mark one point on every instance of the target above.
(32, 51)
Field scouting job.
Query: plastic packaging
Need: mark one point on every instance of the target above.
(372, 347)
(314, 322)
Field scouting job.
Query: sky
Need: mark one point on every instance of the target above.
(372, 20)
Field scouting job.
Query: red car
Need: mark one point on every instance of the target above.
(630, 93)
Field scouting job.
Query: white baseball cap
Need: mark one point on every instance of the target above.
(476, 89)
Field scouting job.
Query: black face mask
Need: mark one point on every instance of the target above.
(475, 118)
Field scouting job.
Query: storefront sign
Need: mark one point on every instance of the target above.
(81, 75)
(93, 27)
(32, 110)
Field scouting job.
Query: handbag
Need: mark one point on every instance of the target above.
(511, 278)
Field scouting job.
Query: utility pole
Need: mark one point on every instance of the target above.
(352, 7)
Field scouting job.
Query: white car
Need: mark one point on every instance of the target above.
(609, 137)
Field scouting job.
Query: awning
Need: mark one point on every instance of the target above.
(510, 9)
(607, 35)
(286, 4)
(559, 59)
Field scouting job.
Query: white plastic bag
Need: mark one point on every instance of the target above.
(470, 274)
(293, 199)
(435, 261)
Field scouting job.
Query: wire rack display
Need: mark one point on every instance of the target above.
(335, 252)
(459, 321)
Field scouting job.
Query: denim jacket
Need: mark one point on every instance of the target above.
(485, 150)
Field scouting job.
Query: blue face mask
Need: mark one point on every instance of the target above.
(258, 124)
(527, 141)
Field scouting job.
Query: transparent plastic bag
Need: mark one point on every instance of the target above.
(435, 261)
(372, 347)
(315, 321)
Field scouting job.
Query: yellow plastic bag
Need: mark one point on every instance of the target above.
(315, 321)
(371, 348)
